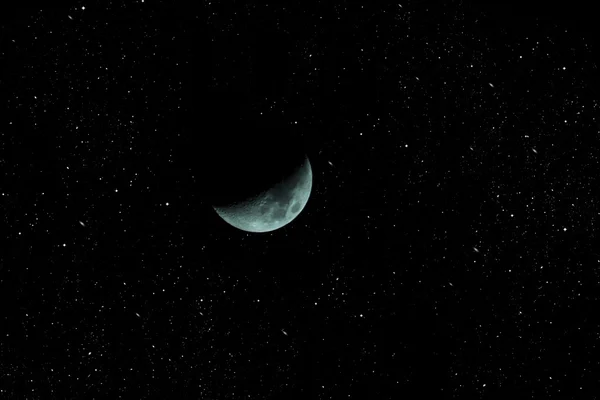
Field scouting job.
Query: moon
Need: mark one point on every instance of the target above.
(274, 207)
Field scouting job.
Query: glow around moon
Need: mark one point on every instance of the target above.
(273, 208)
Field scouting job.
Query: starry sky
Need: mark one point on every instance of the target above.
(448, 249)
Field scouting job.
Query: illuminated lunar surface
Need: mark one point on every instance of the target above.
(273, 208)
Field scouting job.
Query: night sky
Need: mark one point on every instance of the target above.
(449, 248)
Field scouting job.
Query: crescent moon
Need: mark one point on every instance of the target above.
(274, 207)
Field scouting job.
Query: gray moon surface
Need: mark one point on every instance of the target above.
(272, 208)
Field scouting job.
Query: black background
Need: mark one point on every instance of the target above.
(448, 250)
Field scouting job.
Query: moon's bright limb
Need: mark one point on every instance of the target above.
(273, 208)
